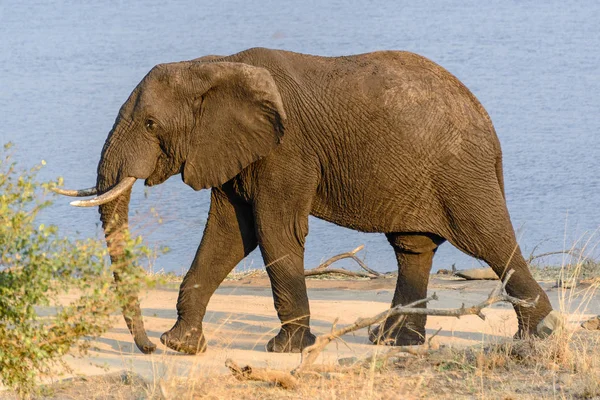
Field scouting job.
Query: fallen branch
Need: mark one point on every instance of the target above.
(248, 373)
(487, 273)
(323, 268)
(310, 354)
(574, 252)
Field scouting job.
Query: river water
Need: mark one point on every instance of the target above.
(66, 67)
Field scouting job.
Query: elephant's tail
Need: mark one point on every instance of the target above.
(500, 175)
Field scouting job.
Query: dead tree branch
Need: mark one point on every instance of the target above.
(248, 373)
(310, 354)
(573, 252)
(323, 268)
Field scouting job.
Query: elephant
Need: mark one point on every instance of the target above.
(384, 142)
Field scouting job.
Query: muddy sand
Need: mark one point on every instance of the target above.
(241, 319)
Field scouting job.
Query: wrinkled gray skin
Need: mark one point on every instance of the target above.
(384, 142)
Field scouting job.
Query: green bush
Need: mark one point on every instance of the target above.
(37, 267)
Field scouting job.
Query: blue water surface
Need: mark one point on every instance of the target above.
(66, 67)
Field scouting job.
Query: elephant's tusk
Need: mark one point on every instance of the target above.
(108, 196)
(76, 193)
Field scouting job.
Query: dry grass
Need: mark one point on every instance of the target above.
(565, 365)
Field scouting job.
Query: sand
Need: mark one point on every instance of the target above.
(241, 319)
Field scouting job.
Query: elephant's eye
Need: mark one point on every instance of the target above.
(150, 124)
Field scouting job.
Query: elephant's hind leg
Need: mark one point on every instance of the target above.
(480, 226)
(414, 252)
(228, 237)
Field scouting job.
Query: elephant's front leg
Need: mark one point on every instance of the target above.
(228, 237)
(281, 237)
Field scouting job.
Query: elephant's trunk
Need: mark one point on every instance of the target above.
(114, 216)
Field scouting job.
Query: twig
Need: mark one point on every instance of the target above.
(531, 255)
(323, 268)
(553, 253)
(248, 373)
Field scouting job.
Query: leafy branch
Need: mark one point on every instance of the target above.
(37, 266)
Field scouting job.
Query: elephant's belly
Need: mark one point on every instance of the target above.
(373, 214)
(352, 221)
(378, 196)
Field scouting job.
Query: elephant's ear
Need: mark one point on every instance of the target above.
(239, 119)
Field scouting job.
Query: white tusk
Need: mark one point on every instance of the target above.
(108, 196)
(76, 193)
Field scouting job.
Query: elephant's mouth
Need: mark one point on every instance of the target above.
(163, 170)
(155, 180)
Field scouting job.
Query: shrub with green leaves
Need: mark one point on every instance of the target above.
(38, 267)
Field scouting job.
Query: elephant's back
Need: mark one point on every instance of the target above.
(388, 128)
(397, 88)
(409, 85)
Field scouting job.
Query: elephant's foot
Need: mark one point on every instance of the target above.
(291, 339)
(185, 340)
(543, 328)
(403, 335)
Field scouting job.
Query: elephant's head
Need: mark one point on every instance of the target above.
(205, 120)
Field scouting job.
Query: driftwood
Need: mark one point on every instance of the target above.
(323, 268)
(248, 373)
(484, 273)
(487, 273)
(310, 354)
(476, 274)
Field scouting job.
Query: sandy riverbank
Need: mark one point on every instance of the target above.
(241, 319)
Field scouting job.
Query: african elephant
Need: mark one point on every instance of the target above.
(384, 142)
